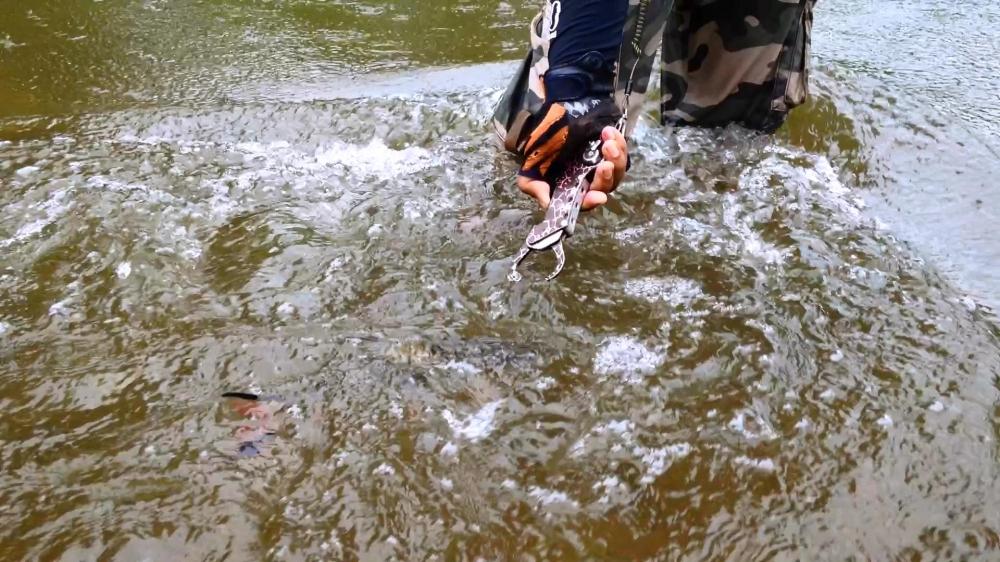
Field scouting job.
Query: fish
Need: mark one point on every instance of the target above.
(262, 413)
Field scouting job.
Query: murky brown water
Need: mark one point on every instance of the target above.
(764, 349)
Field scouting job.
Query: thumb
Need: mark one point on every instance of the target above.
(535, 188)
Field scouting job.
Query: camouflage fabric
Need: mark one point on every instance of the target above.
(735, 61)
(723, 61)
(525, 94)
(645, 24)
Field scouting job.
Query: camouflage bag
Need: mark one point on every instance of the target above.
(743, 61)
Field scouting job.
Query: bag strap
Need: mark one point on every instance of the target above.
(636, 44)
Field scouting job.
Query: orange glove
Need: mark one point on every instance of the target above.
(563, 131)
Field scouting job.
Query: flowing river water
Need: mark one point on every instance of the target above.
(764, 349)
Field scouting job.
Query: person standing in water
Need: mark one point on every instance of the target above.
(723, 61)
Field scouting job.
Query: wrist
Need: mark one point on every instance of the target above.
(587, 76)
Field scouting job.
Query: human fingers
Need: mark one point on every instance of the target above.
(602, 183)
(537, 189)
(615, 150)
(604, 177)
(593, 199)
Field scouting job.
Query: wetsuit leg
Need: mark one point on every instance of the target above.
(743, 61)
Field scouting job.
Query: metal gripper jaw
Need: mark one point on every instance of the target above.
(560, 217)
(557, 249)
(546, 235)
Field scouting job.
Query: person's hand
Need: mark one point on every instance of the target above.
(607, 177)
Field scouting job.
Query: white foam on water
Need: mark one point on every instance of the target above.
(885, 421)
(817, 181)
(429, 206)
(621, 428)
(123, 270)
(823, 174)
(396, 410)
(607, 482)
(384, 469)
(545, 383)
(698, 235)
(294, 511)
(375, 159)
(332, 544)
(277, 166)
(819, 178)
(658, 460)
(27, 171)
(827, 395)
(837, 356)
(50, 210)
(692, 230)
(610, 484)
(221, 204)
(475, 426)
(735, 217)
(4, 328)
(936, 407)
(827, 185)
(627, 357)
(340, 459)
(675, 291)
(764, 465)
(497, 304)
(751, 426)
(545, 496)
(171, 237)
(61, 308)
(9, 45)
(413, 210)
(462, 367)
(185, 145)
(631, 233)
